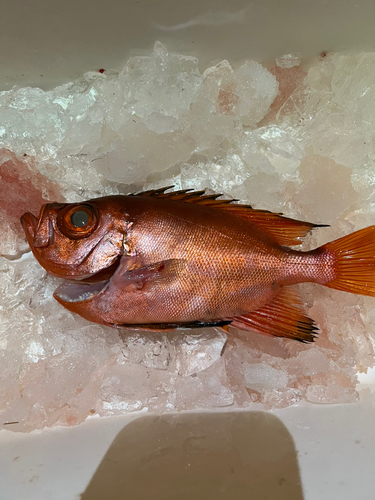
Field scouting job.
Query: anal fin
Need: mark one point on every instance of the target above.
(284, 316)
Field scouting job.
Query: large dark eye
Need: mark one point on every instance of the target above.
(80, 218)
(77, 221)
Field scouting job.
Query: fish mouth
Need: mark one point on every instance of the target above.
(39, 230)
(29, 223)
(87, 288)
(78, 292)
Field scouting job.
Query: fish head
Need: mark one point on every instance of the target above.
(78, 241)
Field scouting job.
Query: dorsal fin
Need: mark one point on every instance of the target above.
(284, 316)
(284, 230)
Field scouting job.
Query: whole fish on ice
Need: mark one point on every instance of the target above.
(162, 260)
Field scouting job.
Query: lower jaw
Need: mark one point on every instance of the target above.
(78, 291)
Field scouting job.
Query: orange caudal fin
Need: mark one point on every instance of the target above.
(353, 261)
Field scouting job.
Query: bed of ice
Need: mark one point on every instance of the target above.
(283, 139)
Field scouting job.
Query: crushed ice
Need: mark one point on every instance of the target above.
(280, 139)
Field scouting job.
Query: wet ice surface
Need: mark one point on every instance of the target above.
(280, 139)
(22, 188)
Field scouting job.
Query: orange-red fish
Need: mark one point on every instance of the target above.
(161, 260)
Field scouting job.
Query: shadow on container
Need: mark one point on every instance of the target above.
(236, 456)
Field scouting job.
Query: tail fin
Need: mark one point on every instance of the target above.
(354, 262)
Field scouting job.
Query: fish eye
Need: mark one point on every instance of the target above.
(77, 221)
(80, 218)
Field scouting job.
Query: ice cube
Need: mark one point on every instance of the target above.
(288, 61)
(195, 353)
(326, 189)
(261, 377)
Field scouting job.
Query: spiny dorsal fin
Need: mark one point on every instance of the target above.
(284, 316)
(284, 230)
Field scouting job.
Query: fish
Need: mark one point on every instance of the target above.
(161, 260)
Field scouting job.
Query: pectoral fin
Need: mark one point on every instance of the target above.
(165, 271)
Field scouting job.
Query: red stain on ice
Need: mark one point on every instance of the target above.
(101, 70)
(227, 100)
(22, 188)
(289, 79)
(71, 420)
